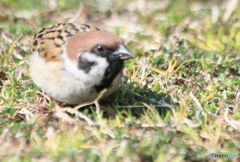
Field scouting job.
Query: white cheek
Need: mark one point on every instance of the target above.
(94, 76)
(71, 66)
(99, 69)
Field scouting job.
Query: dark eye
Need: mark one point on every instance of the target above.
(99, 48)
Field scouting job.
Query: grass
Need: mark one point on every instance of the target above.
(180, 100)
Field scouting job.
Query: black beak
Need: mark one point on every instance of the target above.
(122, 53)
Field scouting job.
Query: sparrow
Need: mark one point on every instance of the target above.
(73, 63)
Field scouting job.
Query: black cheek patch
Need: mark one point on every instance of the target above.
(84, 64)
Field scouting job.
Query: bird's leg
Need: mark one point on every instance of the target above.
(76, 108)
(61, 112)
(97, 99)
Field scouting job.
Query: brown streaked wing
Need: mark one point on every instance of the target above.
(48, 42)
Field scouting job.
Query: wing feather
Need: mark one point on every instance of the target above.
(49, 41)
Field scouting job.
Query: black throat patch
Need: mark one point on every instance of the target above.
(110, 74)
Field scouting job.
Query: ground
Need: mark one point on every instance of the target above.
(180, 100)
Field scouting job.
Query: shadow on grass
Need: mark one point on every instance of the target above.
(135, 99)
(129, 99)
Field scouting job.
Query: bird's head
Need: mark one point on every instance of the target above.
(98, 54)
(99, 43)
